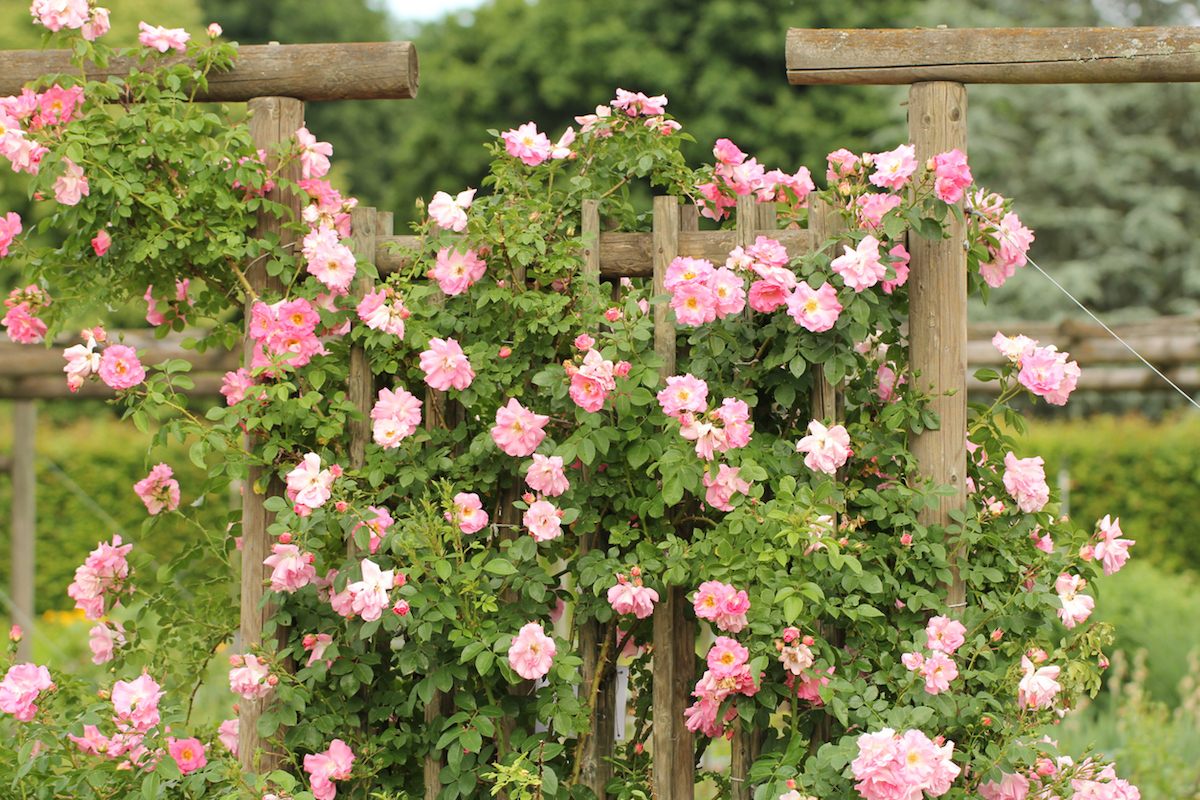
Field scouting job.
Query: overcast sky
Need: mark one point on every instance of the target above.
(425, 10)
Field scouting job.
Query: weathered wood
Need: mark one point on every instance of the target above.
(22, 360)
(937, 328)
(24, 522)
(355, 71)
(360, 380)
(630, 255)
(993, 55)
(273, 121)
(55, 388)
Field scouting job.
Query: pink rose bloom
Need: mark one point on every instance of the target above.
(324, 768)
(816, 310)
(587, 392)
(720, 490)
(684, 270)
(317, 645)
(156, 317)
(20, 689)
(101, 242)
(120, 368)
(726, 657)
(774, 288)
(377, 525)
(188, 754)
(369, 595)
(842, 163)
(71, 186)
(527, 144)
(1015, 348)
(383, 311)
(136, 702)
(214, 30)
(776, 181)
(912, 661)
(637, 103)
(1046, 373)
(826, 449)
(1112, 550)
(469, 513)
(23, 327)
(546, 475)
(1038, 686)
(396, 416)
(455, 271)
(543, 520)
(893, 168)
(10, 226)
(250, 678)
(59, 14)
(870, 208)
(1012, 786)
(1014, 240)
(314, 155)
(938, 670)
(944, 634)
(308, 484)
(450, 213)
(861, 268)
(1076, 607)
(158, 490)
(1025, 480)
(234, 385)
(694, 304)
(103, 640)
(162, 39)
(951, 175)
(291, 569)
(626, 598)
(683, 393)
(518, 431)
(328, 260)
(710, 599)
(446, 366)
(228, 734)
(531, 652)
(901, 268)
(728, 291)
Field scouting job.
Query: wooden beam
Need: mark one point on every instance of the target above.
(356, 71)
(993, 55)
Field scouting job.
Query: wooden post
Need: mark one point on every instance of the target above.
(674, 774)
(361, 381)
(937, 327)
(273, 121)
(595, 769)
(24, 522)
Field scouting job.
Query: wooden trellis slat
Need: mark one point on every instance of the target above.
(355, 71)
(993, 55)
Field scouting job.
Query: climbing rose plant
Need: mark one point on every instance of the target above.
(431, 600)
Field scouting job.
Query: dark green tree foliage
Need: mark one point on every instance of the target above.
(721, 63)
(360, 131)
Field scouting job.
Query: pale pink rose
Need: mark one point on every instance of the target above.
(1014, 240)
(469, 513)
(59, 14)
(328, 260)
(842, 164)
(136, 702)
(1112, 551)
(1015, 348)
(893, 168)
(912, 661)
(543, 520)
(120, 368)
(562, 148)
(308, 484)
(816, 310)
(159, 491)
(214, 30)
(546, 475)
(455, 271)
(20, 689)
(324, 768)
(370, 595)
(1038, 685)
(518, 431)
(869, 209)
(317, 645)
(101, 242)
(1012, 786)
(938, 670)
(250, 678)
(628, 598)
(396, 415)
(825, 449)
(188, 754)
(951, 175)
(728, 291)
(1046, 373)
(103, 640)
(587, 392)
(10, 227)
(901, 268)
(23, 327)
(531, 652)
(290, 569)
(710, 599)
(684, 270)
(71, 186)
(945, 634)
(861, 267)
(314, 155)
(720, 490)
(527, 144)
(683, 393)
(92, 742)
(1025, 480)
(450, 213)
(726, 657)
(162, 39)
(446, 366)
(773, 290)
(638, 104)
(1076, 607)
(234, 385)
(228, 734)
(694, 304)
(796, 657)
(384, 311)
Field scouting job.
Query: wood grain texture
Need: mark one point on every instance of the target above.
(993, 55)
(360, 380)
(356, 71)
(937, 327)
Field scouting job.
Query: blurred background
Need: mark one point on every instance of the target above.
(1108, 177)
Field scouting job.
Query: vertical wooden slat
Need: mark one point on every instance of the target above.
(273, 122)
(24, 521)
(937, 299)
(361, 382)
(595, 769)
(674, 632)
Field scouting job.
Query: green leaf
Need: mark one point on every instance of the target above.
(500, 566)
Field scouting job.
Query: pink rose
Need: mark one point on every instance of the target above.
(120, 368)
(531, 652)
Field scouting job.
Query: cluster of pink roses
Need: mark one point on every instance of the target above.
(366, 598)
(736, 174)
(722, 605)
(1043, 370)
(1038, 685)
(20, 689)
(632, 597)
(250, 677)
(1110, 549)
(943, 637)
(21, 319)
(324, 768)
(290, 568)
(1088, 779)
(383, 310)
(328, 218)
(45, 113)
(284, 334)
(158, 490)
(174, 305)
(1010, 240)
(728, 674)
(795, 652)
(594, 380)
(135, 712)
(91, 22)
(396, 415)
(103, 574)
(892, 766)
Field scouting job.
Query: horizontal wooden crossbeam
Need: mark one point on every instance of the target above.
(356, 71)
(993, 55)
